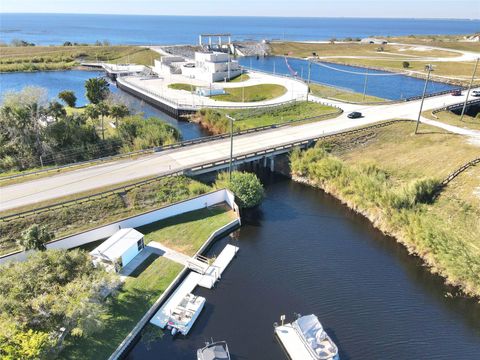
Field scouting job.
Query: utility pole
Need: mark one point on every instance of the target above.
(273, 67)
(365, 85)
(231, 146)
(430, 69)
(469, 88)
(309, 73)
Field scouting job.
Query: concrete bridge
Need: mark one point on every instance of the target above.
(215, 154)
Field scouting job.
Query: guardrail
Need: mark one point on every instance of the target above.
(172, 146)
(454, 106)
(457, 172)
(198, 168)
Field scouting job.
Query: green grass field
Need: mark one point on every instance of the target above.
(240, 78)
(125, 309)
(339, 94)
(35, 58)
(252, 93)
(187, 232)
(216, 121)
(182, 86)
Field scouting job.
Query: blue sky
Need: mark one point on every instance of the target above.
(467, 9)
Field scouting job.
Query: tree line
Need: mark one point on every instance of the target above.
(36, 132)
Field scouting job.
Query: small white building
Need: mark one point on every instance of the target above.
(119, 249)
(208, 66)
(215, 66)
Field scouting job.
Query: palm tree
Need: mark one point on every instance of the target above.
(97, 90)
(119, 112)
(92, 112)
(68, 97)
(103, 110)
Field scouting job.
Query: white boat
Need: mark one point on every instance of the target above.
(305, 339)
(214, 351)
(183, 316)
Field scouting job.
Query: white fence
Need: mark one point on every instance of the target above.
(102, 232)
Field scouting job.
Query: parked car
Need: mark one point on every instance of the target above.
(354, 115)
(456, 93)
(476, 93)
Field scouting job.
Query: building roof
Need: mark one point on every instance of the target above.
(116, 245)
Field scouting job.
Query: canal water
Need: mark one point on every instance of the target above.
(304, 252)
(56, 81)
(379, 83)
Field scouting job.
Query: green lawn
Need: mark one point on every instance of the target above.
(252, 93)
(126, 308)
(240, 78)
(216, 122)
(182, 86)
(187, 232)
(339, 94)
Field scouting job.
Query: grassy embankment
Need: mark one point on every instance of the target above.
(451, 118)
(125, 309)
(391, 58)
(34, 58)
(185, 233)
(216, 122)
(389, 174)
(252, 93)
(76, 217)
(340, 94)
(240, 78)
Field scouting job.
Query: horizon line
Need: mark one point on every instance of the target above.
(240, 16)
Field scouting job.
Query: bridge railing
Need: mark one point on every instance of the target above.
(192, 169)
(170, 146)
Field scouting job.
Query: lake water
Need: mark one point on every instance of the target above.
(379, 83)
(56, 81)
(45, 29)
(305, 252)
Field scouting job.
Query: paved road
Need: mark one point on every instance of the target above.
(112, 173)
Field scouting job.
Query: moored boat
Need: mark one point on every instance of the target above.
(214, 351)
(185, 313)
(305, 339)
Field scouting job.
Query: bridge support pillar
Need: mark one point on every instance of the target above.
(272, 164)
(265, 162)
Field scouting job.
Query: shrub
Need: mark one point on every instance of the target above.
(247, 187)
(405, 64)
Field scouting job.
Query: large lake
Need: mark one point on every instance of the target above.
(379, 83)
(305, 252)
(46, 29)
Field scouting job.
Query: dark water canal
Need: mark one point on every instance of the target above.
(305, 252)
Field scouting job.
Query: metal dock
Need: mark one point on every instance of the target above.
(207, 278)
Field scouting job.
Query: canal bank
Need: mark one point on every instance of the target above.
(303, 251)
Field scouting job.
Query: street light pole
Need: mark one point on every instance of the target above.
(365, 85)
(231, 147)
(430, 68)
(469, 88)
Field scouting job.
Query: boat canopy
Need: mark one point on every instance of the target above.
(216, 351)
(313, 335)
